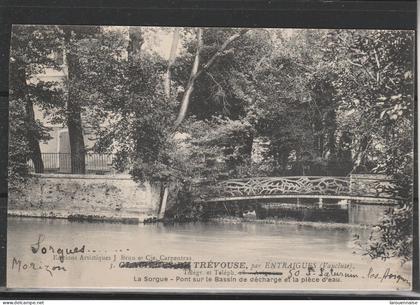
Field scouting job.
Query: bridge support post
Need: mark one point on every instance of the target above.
(350, 212)
(297, 201)
(240, 210)
(260, 213)
(320, 202)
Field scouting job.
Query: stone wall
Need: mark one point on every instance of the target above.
(85, 196)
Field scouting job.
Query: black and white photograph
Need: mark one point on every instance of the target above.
(196, 158)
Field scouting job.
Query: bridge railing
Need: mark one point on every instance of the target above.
(300, 185)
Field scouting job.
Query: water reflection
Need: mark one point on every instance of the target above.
(264, 240)
(249, 242)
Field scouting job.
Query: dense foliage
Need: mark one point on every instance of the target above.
(258, 102)
(29, 56)
(375, 85)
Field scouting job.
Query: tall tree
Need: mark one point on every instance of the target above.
(171, 60)
(19, 93)
(31, 50)
(132, 115)
(135, 42)
(72, 38)
(196, 70)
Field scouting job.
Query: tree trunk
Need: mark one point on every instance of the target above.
(171, 60)
(344, 153)
(32, 134)
(163, 202)
(361, 156)
(74, 118)
(249, 142)
(135, 43)
(195, 73)
(190, 86)
(77, 143)
(283, 162)
(33, 138)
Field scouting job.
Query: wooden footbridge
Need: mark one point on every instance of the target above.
(369, 190)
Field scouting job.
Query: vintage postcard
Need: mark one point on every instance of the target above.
(221, 159)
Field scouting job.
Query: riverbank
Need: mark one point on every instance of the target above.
(117, 198)
(79, 217)
(220, 220)
(277, 221)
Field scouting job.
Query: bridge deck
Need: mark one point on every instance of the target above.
(296, 196)
(374, 190)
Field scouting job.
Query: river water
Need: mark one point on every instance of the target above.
(245, 241)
